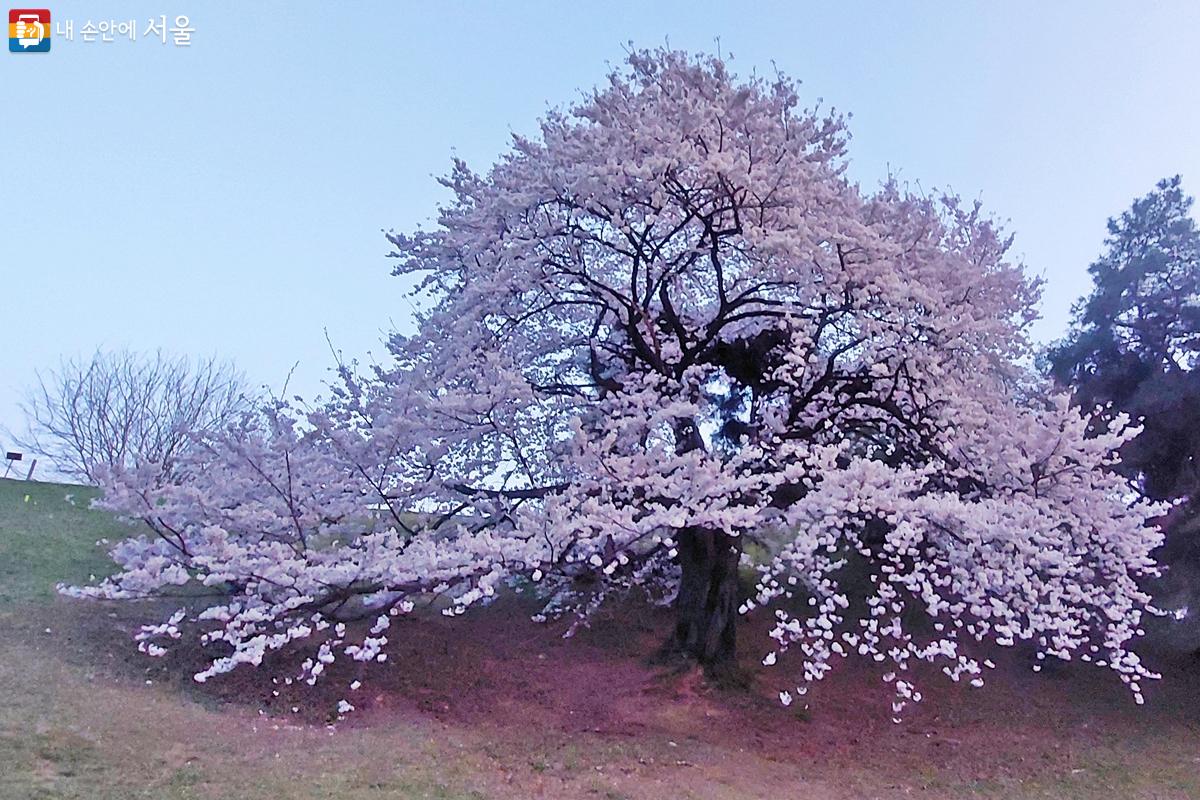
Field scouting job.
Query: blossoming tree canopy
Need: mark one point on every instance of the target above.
(663, 328)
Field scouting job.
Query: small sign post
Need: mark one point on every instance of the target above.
(13, 457)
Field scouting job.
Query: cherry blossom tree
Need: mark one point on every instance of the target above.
(665, 327)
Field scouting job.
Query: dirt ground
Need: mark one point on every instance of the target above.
(503, 707)
(492, 705)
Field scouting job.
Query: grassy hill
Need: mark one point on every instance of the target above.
(493, 706)
(48, 534)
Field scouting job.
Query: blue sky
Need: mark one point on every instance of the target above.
(228, 198)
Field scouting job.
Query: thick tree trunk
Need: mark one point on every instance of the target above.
(706, 607)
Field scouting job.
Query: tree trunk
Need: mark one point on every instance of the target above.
(706, 607)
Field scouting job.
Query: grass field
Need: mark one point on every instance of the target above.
(493, 706)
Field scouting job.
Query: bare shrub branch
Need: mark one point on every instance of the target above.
(121, 408)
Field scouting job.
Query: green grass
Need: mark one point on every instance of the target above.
(74, 724)
(67, 732)
(48, 534)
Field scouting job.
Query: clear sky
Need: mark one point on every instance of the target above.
(228, 198)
